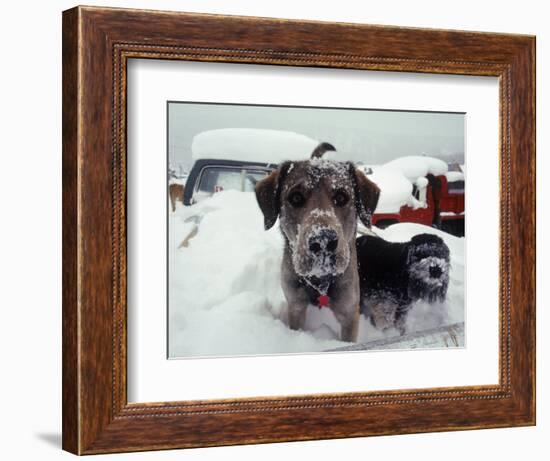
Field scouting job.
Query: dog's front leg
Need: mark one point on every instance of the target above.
(401, 322)
(297, 315)
(296, 296)
(345, 304)
(349, 325)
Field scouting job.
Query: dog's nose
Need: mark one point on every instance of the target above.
(435, 272)
(324, 240)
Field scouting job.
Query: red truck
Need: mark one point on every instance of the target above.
(444, 206)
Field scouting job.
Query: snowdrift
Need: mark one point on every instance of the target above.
(224, 285)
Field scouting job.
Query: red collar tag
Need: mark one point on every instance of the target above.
(323, 301)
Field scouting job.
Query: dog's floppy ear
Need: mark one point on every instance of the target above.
(268, 195)
(366, 195)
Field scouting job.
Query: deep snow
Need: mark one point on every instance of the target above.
(224, 285)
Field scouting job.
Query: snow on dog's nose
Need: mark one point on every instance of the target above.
(433, 271)
(325, 240)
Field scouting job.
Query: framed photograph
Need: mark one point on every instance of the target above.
(282, 230)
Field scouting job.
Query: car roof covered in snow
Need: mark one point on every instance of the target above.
(252, 145)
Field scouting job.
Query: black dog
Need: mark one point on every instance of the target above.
(392, 276)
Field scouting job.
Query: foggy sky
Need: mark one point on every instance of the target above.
(370, 136)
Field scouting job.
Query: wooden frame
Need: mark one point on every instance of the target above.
(97, 43)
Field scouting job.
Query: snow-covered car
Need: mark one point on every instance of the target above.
(237, 158)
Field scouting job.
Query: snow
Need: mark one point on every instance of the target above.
(252, 145)
(396, 178)
(422, 182)
(395, 188)
(225, 296)
(415, 166)
(180, 181)
(453, 176)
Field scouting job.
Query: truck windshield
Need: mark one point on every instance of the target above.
(216, 179)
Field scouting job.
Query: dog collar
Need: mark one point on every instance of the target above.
(320, 287)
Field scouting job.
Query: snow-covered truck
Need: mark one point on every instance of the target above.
(417, 189)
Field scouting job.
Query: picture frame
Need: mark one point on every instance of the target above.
(97, 44)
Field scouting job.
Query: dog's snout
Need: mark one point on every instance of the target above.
(325, 240)
(435, 272)
(314, 246)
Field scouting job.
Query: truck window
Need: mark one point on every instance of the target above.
(215, 179)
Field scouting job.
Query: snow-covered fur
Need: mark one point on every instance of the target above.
(318, 203)
(394, 275)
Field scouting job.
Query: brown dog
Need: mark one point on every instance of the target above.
(318, 203)
(176, 193)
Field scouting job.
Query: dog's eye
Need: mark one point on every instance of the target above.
(296, 199)
(340, 198)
